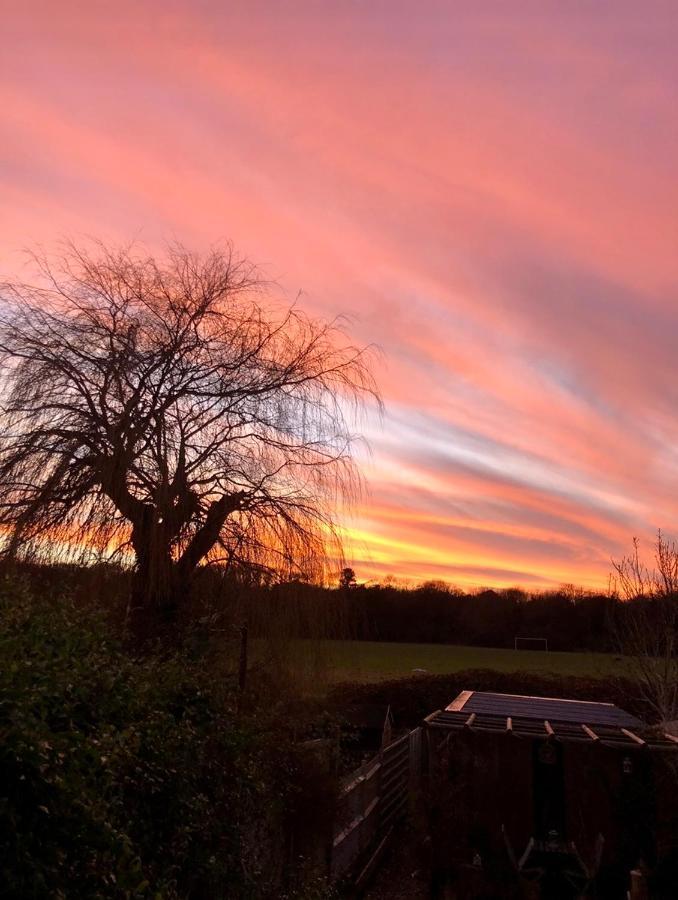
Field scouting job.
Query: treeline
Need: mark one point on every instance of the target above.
(569, 618)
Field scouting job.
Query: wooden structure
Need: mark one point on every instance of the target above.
(556, 786)
(371, 801)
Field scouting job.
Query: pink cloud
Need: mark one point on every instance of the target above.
(491, 194)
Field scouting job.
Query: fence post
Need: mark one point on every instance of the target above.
(638, 886)
(242, 667)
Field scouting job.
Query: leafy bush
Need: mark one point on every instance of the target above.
(128, 778)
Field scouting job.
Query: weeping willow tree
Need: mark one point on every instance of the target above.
(167, 410)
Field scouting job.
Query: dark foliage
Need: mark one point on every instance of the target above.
(128, 778)
(569, 619)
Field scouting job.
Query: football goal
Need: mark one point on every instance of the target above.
(530, 643)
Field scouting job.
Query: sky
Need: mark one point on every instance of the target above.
(489, 191)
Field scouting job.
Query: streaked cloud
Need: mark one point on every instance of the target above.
(489, 191)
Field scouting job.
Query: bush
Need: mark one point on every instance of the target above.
(123, 777)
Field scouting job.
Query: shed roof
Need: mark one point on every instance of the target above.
(555, 709)
(550, 717)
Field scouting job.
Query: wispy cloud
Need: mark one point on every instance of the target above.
(489, 190)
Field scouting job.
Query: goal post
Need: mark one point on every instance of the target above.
(530, 643)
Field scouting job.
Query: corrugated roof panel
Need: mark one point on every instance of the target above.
(636, 737)
(552, 709)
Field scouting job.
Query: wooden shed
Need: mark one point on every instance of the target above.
(551, 783)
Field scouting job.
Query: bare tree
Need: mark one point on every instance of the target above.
(168, 410)
(646, 626)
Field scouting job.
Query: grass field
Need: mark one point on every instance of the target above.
(378, 661)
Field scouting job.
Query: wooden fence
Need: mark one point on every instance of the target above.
(371, 801)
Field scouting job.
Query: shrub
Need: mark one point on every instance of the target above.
(124, 777)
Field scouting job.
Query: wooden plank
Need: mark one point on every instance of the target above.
(639, 889)
(372, 863)
(458, 702)
(591, 733)
(394, 810)
(509, 723)
(397, 748)
(509, 848)
(361, 778)
(432, 716)
(523, 859)
(469, 722)
(634, 737)
(547, 726)
(355, 823)
(399, 777)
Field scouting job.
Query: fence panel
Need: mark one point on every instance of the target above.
(395, 782)
(372, 799)
(416, 744)
(356, 819)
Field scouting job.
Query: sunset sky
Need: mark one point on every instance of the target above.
(488, 190)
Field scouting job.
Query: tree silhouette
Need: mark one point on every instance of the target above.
(647, 631)
(169, 411)
(347, 579)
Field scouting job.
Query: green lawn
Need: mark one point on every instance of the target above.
(377, 661)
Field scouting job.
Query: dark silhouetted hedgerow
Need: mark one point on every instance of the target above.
(131, 778)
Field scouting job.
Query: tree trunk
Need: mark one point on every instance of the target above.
(157, 586)
(162, 584)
